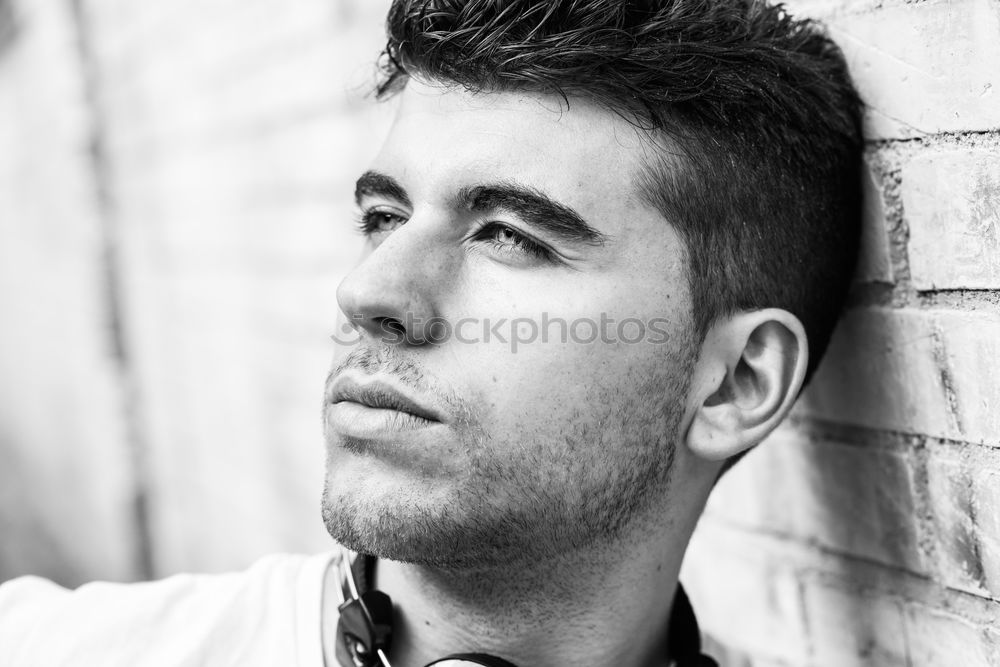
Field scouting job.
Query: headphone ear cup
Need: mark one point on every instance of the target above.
(380, 608)
(364, 627)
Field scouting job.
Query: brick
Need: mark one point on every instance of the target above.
(986, 505)
(859, 501)
(874, 262)
(880, 372)
(971, 347)
(757, 493)
(959, 552)
(938, 638)
(854, 500)
(854, 629)
(964, 500)
(924, 372)
(951, 200)
(925, 68)
(745, 599)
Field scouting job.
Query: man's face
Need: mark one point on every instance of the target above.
(490, 209)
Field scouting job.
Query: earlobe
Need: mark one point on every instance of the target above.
(749, 373)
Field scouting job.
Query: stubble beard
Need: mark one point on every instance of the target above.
(551, 499)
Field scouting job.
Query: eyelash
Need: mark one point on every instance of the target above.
(369, 224)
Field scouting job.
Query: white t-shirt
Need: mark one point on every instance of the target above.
(268, 615)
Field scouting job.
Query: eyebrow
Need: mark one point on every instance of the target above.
(533, 206)
(373, 183)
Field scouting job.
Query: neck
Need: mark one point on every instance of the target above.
(575, 610)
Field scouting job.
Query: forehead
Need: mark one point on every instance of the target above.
(445, 138)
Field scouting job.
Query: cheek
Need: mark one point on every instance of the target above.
(557, 388)
(553, 360)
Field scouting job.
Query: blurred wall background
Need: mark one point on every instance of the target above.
(175, 186)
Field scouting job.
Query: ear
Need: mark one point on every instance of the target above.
(749, 373)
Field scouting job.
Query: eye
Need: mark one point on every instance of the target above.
(377, 221)
(507, 240)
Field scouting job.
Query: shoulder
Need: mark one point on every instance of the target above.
(266, 610)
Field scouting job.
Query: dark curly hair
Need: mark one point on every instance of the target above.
(760, 171)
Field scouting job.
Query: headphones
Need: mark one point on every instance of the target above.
(364, 629)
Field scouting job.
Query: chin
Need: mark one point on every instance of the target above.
(451, 528)
(375, 509)
(387, 527)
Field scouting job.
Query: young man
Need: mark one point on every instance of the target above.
(607, 244)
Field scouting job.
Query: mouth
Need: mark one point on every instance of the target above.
(372, 408)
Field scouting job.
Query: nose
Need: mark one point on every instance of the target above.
(394, 293)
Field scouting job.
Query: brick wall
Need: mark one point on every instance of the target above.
(867, 531)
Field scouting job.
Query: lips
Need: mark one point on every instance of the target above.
(380, 394)
(375, 419)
